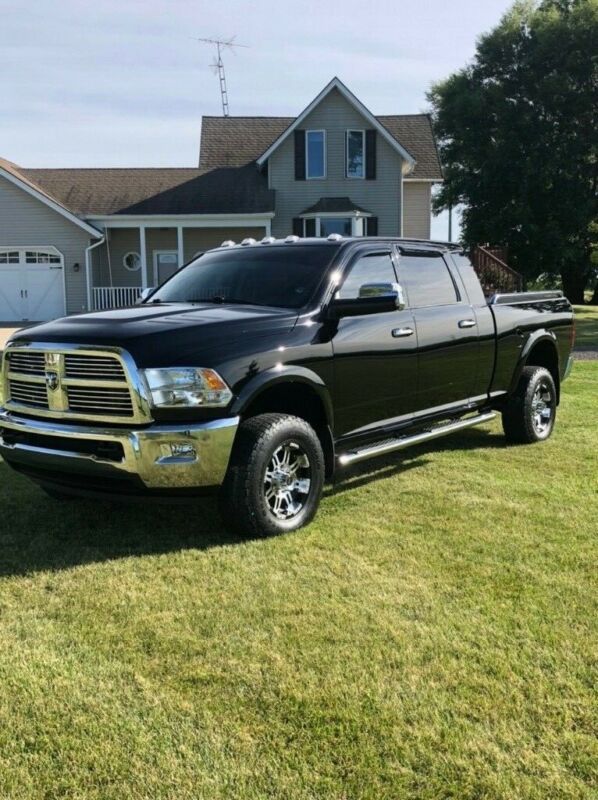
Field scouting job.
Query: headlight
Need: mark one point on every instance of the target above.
(186, 386)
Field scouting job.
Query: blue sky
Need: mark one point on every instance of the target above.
(122, 83)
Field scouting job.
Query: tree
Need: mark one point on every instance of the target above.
(518, 137)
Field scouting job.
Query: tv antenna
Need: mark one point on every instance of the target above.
(218, 65)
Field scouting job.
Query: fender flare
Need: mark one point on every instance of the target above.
(285, 374)
(541, 335)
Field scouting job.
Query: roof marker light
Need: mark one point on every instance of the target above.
(292, 238)
(227, 243)
(268, 240)
(334, 237)
(247, 241)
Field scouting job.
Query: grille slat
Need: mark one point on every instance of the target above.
(30, 394)
(83, 376)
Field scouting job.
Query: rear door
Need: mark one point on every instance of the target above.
(375, 355)
(447, 335)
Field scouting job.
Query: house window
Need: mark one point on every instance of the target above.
(132, 261)
(355, 154)
(315, 154)
(340, 225)
(11, 257)
(35, 257)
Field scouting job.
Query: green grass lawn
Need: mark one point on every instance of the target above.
(431, 635)
(586, 326)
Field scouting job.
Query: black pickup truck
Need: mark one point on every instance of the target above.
(261, 368)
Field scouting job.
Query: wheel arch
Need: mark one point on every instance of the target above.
(540, 350)
(291, 390)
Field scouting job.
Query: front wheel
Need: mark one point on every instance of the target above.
(531, 411)
(275, 478)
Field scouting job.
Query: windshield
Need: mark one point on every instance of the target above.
(285, 276)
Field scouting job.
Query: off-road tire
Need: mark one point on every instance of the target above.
(243, 497)
(520, 417)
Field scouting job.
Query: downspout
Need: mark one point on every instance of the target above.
(88, 267)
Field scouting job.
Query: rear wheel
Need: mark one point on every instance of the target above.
(275, 478)
(531, 411)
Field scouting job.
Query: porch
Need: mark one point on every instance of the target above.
(132, 256)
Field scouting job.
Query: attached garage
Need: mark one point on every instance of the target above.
(31, 284)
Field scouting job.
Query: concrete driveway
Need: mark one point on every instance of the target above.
(5, 334)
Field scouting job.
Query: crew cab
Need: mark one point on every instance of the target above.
(259, 369)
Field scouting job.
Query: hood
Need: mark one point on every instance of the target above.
(169, 333)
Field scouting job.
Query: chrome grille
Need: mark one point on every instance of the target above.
(77, 383)
(26, 363)
(28, 394)
(99, 400)
(103, 368)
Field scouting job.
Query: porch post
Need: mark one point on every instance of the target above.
(180, 245)
(143, 257)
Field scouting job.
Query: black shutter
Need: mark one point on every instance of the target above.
(370, 154)
(371, 226)
(299, 155)
(298, 226)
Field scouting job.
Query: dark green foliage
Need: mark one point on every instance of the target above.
(518, 136)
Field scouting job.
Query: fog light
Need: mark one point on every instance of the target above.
(177, 453)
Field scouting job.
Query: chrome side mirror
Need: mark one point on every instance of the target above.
(145, 293)
(388, 290)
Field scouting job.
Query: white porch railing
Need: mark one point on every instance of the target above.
(106, 297)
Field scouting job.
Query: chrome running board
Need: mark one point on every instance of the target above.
(390, 445)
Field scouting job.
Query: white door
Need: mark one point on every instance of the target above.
(31, 285)
(166, 263)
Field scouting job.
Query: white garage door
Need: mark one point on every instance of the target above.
(31, 285)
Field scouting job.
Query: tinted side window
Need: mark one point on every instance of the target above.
(374, 268)
(428, 280)
(470, 279)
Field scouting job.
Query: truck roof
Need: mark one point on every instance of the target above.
(337, 239)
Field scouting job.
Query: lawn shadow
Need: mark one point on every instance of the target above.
(38, 533)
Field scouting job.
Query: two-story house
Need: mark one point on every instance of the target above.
(79, 239)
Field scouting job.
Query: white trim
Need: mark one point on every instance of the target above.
(180, 246)
(401, 207)
(335, 214)
(143, 254)
(88, 270)
(309, 177)
(155, 254)
(186, 220)
(347, 132)
(335, 83)
(60, 209)
(424, 180)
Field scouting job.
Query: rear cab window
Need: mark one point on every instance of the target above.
(427, 279)
(470, 279)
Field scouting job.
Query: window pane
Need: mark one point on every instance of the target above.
(310, 227)
(315, 154)
(470, 279)
(428, 280)
(355, 154)
(376, 268)
(340, 225)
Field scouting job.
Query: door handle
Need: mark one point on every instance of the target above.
(398, 333)
(467, 323)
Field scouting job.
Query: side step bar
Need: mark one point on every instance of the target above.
(390, 445)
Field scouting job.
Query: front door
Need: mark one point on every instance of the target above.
(447, 334)
(166, 263)
(375, 355)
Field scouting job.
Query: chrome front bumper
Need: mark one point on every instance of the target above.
(161, 456)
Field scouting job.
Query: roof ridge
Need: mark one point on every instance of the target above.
(97, 169)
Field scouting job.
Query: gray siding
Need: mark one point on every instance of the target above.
(417, 210)
(381, 196)
(26, 221)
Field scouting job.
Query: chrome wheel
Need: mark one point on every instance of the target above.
(542, 409)
(287, 480)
